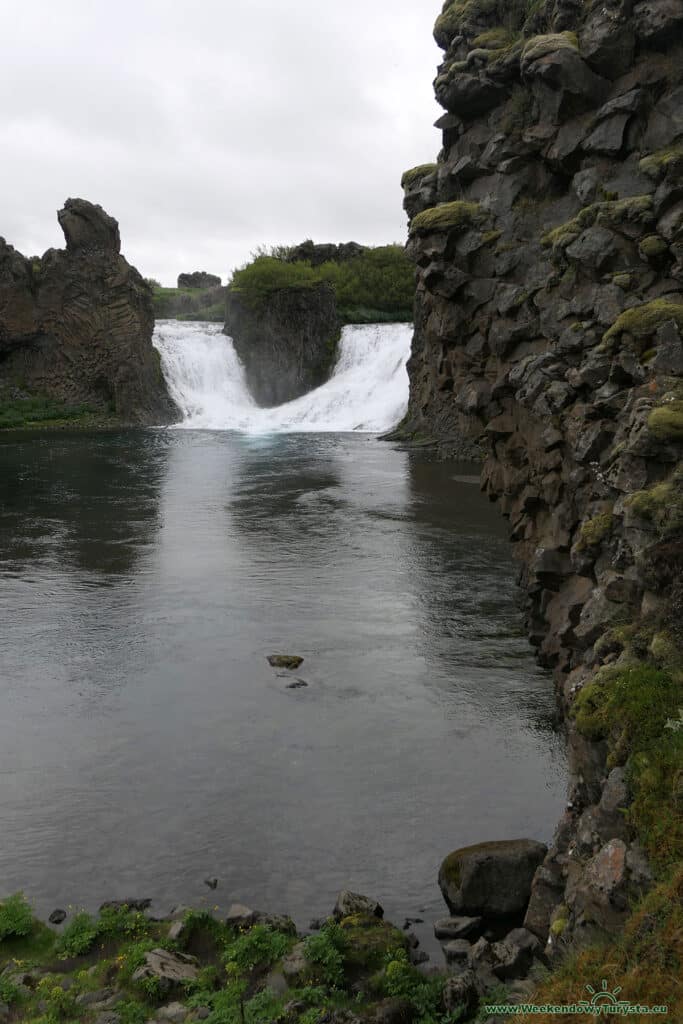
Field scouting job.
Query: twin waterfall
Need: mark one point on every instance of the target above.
(368, 390)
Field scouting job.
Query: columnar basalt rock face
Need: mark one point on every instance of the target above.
(548, 241)
(76, 325)
(288, 345)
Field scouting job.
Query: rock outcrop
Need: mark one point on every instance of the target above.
(288, 345)
(199, 279)
(76, 325)
(548, 241)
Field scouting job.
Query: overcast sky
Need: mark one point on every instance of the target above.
(212, 127)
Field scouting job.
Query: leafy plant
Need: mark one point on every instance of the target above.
(326, 951)
(15, 916)
(78, 937)
(261, 946)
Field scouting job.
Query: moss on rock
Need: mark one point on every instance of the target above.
(540, 46)
(595, 530)
(656, 164)
(642, 321)
(666, 421)
(457, 215)
(414, 174)
(652, 247)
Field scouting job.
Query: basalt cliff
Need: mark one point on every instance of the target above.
(548, 242)
(76, 327)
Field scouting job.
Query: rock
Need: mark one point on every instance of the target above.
(176, 1013)
(95, 999)
(242, 918)
(470, 95)
(298, 684)
(608, 43)
(129, 904)
(457, 951)
(294, 965)
(198, 279)
(410, 921)
(349, 903)
(57, 916)
(514, 954)
(657, 21)
(461, 994)
(290, 661)
(491, 879)
(288, 347)
(171, 970)
(458, 927)
(394, 1011)
(608, 137)
(76, 326)
(277, 983)
(212, 883)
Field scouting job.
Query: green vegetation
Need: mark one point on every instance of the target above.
(377, 284)
(539, 46)
(656, 165)
(34, 412)
(642, 321)
(661, 505)
(188, 303)
(595, 530)
(413, 175)
(15, 916)
(632, 210)
(510, 14)
(325, 952)
(456, 216)
(260, 945)
(666, 421)
(629, 707)
(653, 247)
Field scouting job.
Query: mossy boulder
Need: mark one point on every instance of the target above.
(594, 531)
(370, 943)
(446, 217)
(416, 174)
(642, 321)
(541, 46)
(657, 164)
(491, 880)
(653, 247)
(666, 421)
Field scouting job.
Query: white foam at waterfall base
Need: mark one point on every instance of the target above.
(368, 390)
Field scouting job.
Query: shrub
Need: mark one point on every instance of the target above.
(260, 946)
(16, 918)
(78, 937)
(326, 952)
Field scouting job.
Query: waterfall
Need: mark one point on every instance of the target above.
(368, 390)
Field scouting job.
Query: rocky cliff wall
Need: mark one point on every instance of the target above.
(548, 241)
(76, 325)
(287, 344)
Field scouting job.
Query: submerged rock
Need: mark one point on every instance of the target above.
(290, 661)
(57, 916)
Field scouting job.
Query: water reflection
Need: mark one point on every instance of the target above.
(91, 502)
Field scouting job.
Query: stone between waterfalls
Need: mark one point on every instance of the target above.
(288, 346)
(76, 325)
(548, 243)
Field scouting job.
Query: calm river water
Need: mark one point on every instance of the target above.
(145, 742)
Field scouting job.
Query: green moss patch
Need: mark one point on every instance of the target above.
(613, 212)
(642, 321)
(540, 46)
(456, 216)
(653, 247)
(33, 412)
(656, 164)
(415, 174)
(661, 505)
(666, 421)
(595, 530)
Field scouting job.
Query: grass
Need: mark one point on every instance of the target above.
(32, 412)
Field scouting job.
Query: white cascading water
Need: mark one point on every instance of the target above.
(368, 390)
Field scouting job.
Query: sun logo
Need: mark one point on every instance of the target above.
(603, 996)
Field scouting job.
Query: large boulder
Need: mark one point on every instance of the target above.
(349, 903)
(171, 971)
(491, 879)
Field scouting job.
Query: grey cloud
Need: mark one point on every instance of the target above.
(210, 128)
